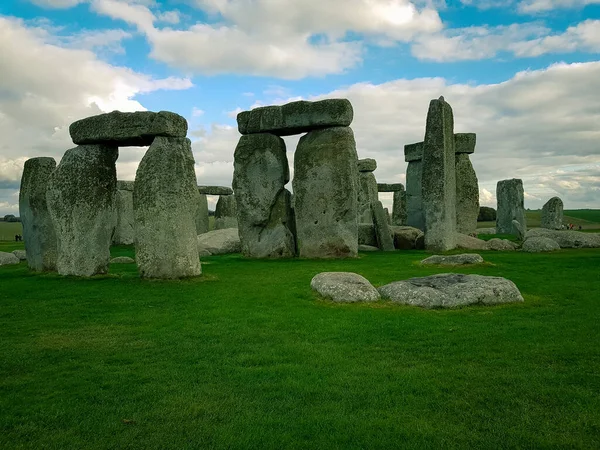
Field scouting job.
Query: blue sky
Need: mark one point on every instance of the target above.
(522, 74)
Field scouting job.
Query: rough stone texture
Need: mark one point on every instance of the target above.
(470, 243)
(164, 197)
(219, 242)
(439, 178)
(414, 200)
(21, 254)
(467, 195)
(405, 238)
(38, 230)
(367, 248)
(382, 229)
(449, 290)
(511, 201)
(124, 214)
(226, 212)
(296, 117)
(344, 287)
(501, 245)
(8, 259)
(413, 152)
(366, 234)
(464, 143)
(81, 201)
(420, 242)
(264, 212)
(366, 165)
(367, 194)
(127, 128)
(325, 190)
(201, 214)
(390, 187)
(567, 238)
(215, 190)
(454, 260)
(540, 244)
(122, 260)
(486, 230)
(552, 214)
(388, 216)
(399, 208)
(517, 230)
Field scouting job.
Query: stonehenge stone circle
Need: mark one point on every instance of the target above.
(325, 194)
(264, 214)
(382, 230)
(467, 195)
(124, 213)
(413, 154)
(510, 205)
(367, 193)
(367, 165)
(81, 201)
(344, 287)
(165, 229)
(127, 128)
(202, 214)
(552, 214)
(215, 190)
(399, 201)
(439, 178)
(465, 142)
(296, 117)
(225, 213)
(38, 230)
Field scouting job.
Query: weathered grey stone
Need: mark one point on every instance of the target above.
(344, 287)
(296, 117)
(21, 254)
(414, 200)
(552, 214)
(7, 259)
(501, 245)
(215, 190)
(511, 205)
(202, 214)
(405, 238)
(517, 230)
(219, 242)
(413, 152)
(449, 290)
(366, 234)
(164, 197)
(454, 260)
(439, 178)
(390, 187)
(225, 212)
(467, 195)
(382, 229)
(567, 238)
(81, 201)
(464, 143)
(264, 212)
(325, 189)
(470, 243)
(122, 260)
(399, 207)
(367, 248)
(123, 234)
(38, 230)
(127, 128)
(388, 216)
(367, 194)
(420, 242)
(540, 244)
(486, 230)
(366, 165)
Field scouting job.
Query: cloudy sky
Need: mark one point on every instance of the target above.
(522, 74)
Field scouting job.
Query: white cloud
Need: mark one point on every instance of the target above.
(57, 3)
(536, 6)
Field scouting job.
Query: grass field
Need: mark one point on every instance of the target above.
(589, 219)
(9, 229)
(246, 356)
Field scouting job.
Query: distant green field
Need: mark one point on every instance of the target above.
(9, 229)
(589, 215)
(589, 219)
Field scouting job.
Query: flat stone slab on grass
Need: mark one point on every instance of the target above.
(567, 238)
(454, 260)
(219, 242)
(344, 287)
(501, 245)
(470, 243)
(21, 254)
(122, 260)
(127, 128)
(215, 190)
(367, 248)
(540, 244)
(486, 230)
(450, 290)
(8, 258)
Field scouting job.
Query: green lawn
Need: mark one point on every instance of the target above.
(246, 356)
(589, 219)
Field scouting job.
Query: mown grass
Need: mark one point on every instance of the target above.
(589, 219)
(246, 356)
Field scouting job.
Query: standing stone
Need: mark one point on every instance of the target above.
(367, 194)
(81, 200)
(165, 229)
(467, 195)
(38, 231)
(202, 214)
(124, 214)
(325, 190)
(413, 154)
(399, 208)
(264, 214)
(382, 230)
(225, 213)
(552, 214)
(439, 178)
(511, 205)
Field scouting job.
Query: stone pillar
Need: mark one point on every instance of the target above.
(225, 212)
(202, 215)
(325, 190)
(413, 154)
(382, 229)
(265, 220)
(38, 231)
(165, 226)
(367, 189)
(439, 178)
(467, 186)
(124, 214)
(510, 199)
(399, 203)
(81, 200)
(552, 214)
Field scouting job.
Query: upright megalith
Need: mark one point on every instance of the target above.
(413, 155)
(201, 214)
(38, 231)
(467, 187)
(225, 213)
(367, 189)
(552, 214)
(439, 178)
(81, 200)
(382, 230)
(165, 227)
(124, 214)
(325, 191)
(264, 213)
(399, 201)
(510, 198)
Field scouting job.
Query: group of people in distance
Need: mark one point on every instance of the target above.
(571, 226)
(18, 238)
